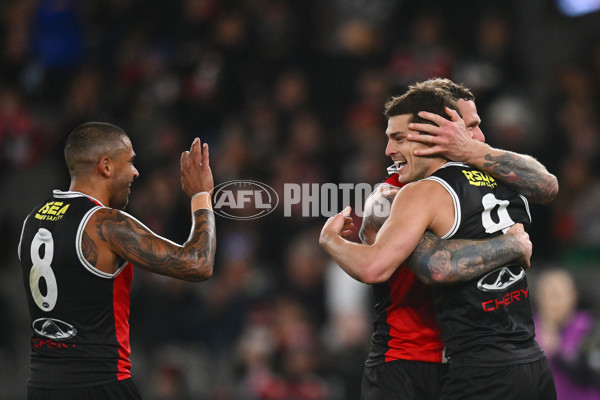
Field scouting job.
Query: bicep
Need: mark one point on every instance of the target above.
(376, 212)
(410, 216)
(131, 240)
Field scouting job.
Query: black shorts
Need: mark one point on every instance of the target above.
(531, 381)
(402, 380)
(119, 390)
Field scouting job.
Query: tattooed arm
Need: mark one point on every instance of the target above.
(113, 236)
(522, 173)
(435, 261)
(451, 139)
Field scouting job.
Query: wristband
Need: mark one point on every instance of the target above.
(201, 200)
(199, 193)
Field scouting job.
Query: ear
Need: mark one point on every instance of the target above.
(105, 168)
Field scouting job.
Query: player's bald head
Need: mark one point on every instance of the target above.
(89, 142)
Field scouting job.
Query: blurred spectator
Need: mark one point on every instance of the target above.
(491, 66)
(57, 44)
(425, 54)
(281, 356)
(566, 334)
(22, 141)
(348, 328)
(304, 267)
(285, 93)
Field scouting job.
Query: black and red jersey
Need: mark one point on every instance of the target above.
(79, 314)
(405, 326)
(486, 321)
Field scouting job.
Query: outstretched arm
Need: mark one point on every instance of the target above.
(450, 138)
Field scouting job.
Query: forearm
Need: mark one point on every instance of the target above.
(436, 261)
(201, 245)
(360, 261)
(522, 173)
(192, 262)
(130, 240)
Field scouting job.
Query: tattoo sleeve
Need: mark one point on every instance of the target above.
(377, 210)
(89, 249)
(134, 242)
(436, 261)
(523, 174)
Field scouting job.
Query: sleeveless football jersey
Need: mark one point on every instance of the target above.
(486, 321)
(79, 315)
(405, 327)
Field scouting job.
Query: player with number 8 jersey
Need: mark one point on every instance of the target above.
(80, 329)
(77, 253)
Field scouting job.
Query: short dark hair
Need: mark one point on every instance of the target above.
(420, 98)
(456, 90)
(88, 142)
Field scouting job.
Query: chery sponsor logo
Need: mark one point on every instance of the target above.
(54, 328)
(500, 280)
(244, 199)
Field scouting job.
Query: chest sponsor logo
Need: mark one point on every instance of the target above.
(52, 211)
(506, 300)
(478, 178)
(501, 278)
(54, 328)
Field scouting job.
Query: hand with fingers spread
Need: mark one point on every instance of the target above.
(448, 138)
(196, 175)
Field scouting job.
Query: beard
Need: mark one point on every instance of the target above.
(120, 195)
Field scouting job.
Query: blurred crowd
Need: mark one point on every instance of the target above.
(288, 92)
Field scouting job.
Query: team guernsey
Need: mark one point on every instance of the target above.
(405, 326)
(79, 315)
(486, 321)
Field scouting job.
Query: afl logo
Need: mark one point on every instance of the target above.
(501, 278)
(54, 328)
(243, 199)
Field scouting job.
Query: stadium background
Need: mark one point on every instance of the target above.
(283, 91)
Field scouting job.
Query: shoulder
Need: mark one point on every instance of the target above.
(112, 213)
(111, 221)
(423, 189)
(424, 197)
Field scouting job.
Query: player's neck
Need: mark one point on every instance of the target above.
(436, 164)
(90, 188)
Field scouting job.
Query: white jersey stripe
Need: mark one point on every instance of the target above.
(455, 201)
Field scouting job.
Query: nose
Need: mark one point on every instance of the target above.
(389, 149)
(136, 174)
(477, 134)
